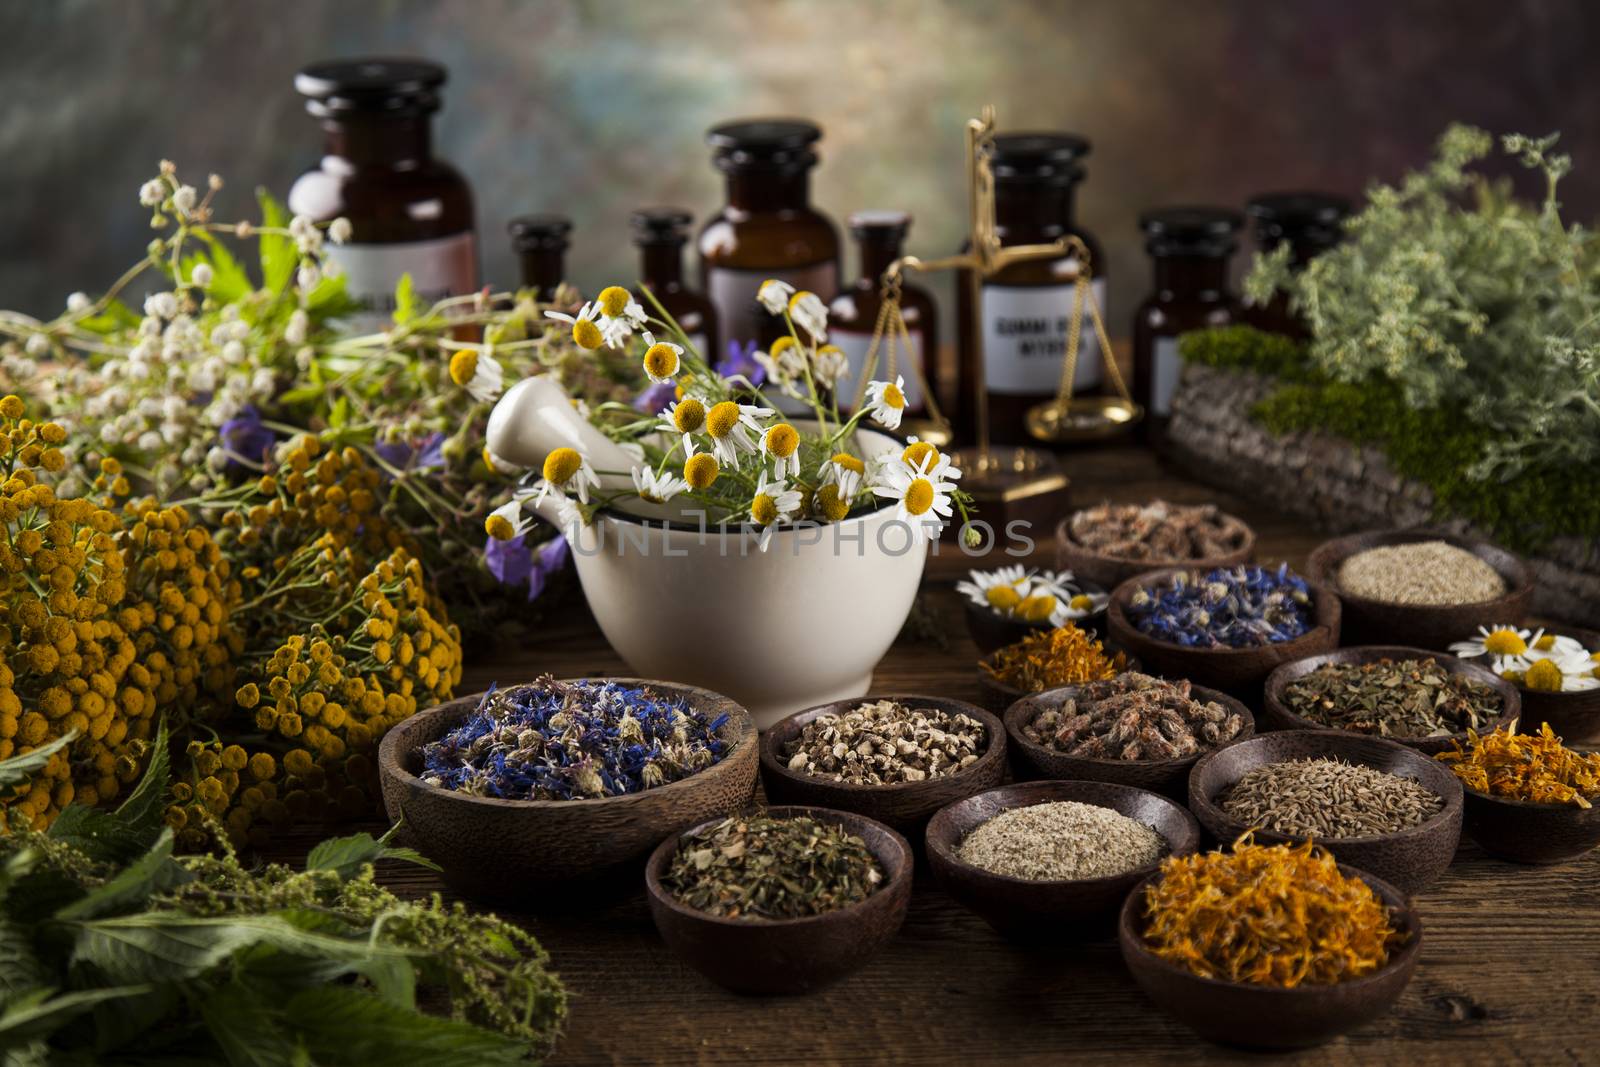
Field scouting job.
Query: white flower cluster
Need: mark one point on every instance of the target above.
(1034, 596)
(1535, 659)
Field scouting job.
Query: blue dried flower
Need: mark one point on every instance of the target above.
(1239, 607)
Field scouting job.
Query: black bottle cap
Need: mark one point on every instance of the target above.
(531, 233)
(776, 143)
(1038, 157)
(375, 85)
(892, 224)
(1310, 222)
(660, 226)
(1191, 231)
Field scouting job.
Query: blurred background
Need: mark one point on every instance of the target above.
(595, 108)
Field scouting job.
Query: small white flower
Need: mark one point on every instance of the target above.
(78, 302)
(586, 331)
(152, 192)
(999, 590)
(150, 441)
(185, 198)
(785, 364)
(233, 352)
(1506, 645)
(809, 314)
(657, 488)
(294, 331)
(564, 469)
(307, 276)
(304, 357)
(38, 344)
(160, 306)
(845, 471)
(507, 522)
(339, 230)
(1556, 647)
(479, 373)
(686, 416)
(830, 366)
(662, 359)
(731, 427)
(782, 442)
(301, 225)
(774, 502)
(923, 495)
(201, 275)
(774, 295)
(886, 401)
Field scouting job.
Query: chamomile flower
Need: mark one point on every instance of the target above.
(845, 471)
(498, 464)
(1555, 646)
(1571, 675)
(479, 373)
(700, 470)
(999, 590)
(782, 442)
(731, 426)
(586, 332)
(661, 359)
(922, 496)
(686, 416)
(657, 488)
(809, 314)
(773, 294)
(784, 364)
(565, 469)
(507, 522)
(1508, 646)
(774, 502)
(830, 366)
(886, 401)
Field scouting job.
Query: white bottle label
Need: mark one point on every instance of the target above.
(733, 293)
(444, 267)
(854, 346)
(1165, 368)
(1025, 338)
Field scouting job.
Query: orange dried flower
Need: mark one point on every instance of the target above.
(1047, 659)
(1536, 768)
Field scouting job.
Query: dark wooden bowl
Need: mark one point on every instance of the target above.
(1575, 717)
(1372, 622)
(1411, 858)
(1028, 909)
(1524, 832)
(525, 851)
(1239, 671)
(1275, 715)
(990, 631)
(1168, 777)
(768, 956)
(997, 696)
(904, 806)
(1268, 1017)
(1112, 571)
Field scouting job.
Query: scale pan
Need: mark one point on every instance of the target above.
(1089, 418)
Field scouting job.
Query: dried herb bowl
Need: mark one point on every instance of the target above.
(774, 956)
(1239, 671)
(990, 630)
(1524, 832)
(530, 852)
(1030, 909)
(1167, 777)
(1111, 571)
(1425, 626)
(1275, 713)
(903, 806)
(1410, 859)
(1270, 1017)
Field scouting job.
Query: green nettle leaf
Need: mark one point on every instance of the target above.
(230, 281)
(329, 299)
(278, 256)
(40, 1011)
(341, 1025)
(155, 872)
(20, 969)
(406, 304)
(247, 1028)
(20, 768)
(115, 316)
(347, 855)
(133, 828)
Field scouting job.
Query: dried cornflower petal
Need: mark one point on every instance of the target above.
(1050, 659)
(884, 743)
(1134, 717)
(1536, 768)
(1226, 607)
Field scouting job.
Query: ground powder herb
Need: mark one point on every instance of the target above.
(1422, 573)
(1061, 841)
(1328, 798)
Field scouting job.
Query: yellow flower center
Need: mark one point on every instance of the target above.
(499, 527)
(919, 496)
(1081, 602)
(586, 334)
(1504, 643)
(463, 366)
(700, 470)
(794, 301)
(828, 503)
(661, 361)
(782, 440)
(722, 418)
(1545, 642)
(780, 346)
(1037, 608)
(893, 397)
(689, 415)
(919, 452)
(1595, 656)
(613, 300)
(1544, 676)
(561, 465)
(764, 510)
(1002, 598)
(848, 462)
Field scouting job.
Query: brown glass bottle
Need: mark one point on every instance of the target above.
(661, 233)
(409, 212)
(1310, 223)
(768, 228)
(1191, 247)
(1027, 307)
(540, 242)
(853, 315)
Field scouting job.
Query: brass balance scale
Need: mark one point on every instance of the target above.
(1007, 483)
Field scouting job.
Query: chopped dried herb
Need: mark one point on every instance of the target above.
(1050, 659)
(1274, 915)
(1536, 768)
(1157, 531)
(760, 867)
(1134, 717)
(885, 742)
(1409, 698)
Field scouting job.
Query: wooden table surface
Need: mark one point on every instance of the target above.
(1510, 969)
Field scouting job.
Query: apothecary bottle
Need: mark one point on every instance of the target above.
(1027, 307)
(853, 316)
(768, 228)
(661, 233)
(1190, 248)
(409, 212)
(1310, 224)
(541, 242)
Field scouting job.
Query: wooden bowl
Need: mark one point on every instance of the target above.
(1372, 622)
(1268, 1017)
(1026, 908)
(904, 806)
(1275, 714)
(1239, 671)
(527, 851)
(1168, 777)
(990, 631)
(1523, 832)
(767, 956)
(1112, 571)
(1411, 858)
(997, 696)
(1575, 717)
